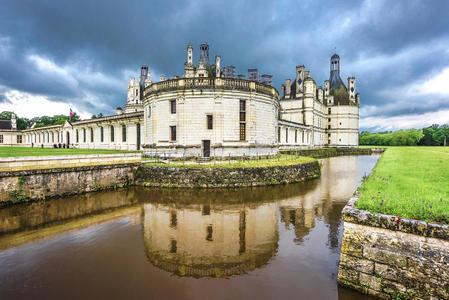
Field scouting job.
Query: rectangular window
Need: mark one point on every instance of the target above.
(286, 135)
(123, 133)
(242, 116)
(112, 133)
(77, 136)
(19, 139)
(84, 135)
(242, 105)
(172, 133)
(91, 135)
(329, 119)
(210, 122)
(302, 137)
(279, 134)
(52, 137)
(296, 136)
(328, 127)
(242, 131)
(102, 134)
(329, 111)
(173, 106)
(1, 138)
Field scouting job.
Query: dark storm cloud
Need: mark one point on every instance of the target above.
(405, 41)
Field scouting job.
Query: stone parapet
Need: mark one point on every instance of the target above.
(21, 186)
(11, 164)
(391, 257)
(332, 151)
(225, 177)
(211, 83)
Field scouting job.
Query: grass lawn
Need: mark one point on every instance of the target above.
(27, 151)
(410, 182)
(282, 160)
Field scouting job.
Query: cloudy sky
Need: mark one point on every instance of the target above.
(59, 54)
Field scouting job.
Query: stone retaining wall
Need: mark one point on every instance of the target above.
(331, 152)
(225, 177)
(19, 186)
(391, 257)
(20, 163)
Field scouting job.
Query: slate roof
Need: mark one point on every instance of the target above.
(5, 124)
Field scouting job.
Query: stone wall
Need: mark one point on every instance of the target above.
(18, 186)
(8, 164)
(225, 177)
(331, 152)
(391, 257)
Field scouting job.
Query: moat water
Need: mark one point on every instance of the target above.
(277, 242)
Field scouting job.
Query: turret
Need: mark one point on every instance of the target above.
(189, 69)
(190, 55)
(326, 88)
(309, 87)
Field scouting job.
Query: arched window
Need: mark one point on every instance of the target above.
(112, 133)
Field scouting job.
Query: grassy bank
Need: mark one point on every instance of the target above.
(410, 182)
(27, 151)
(282, 160)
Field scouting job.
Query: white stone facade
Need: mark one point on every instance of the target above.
(211, 117)
(203, 113)
(331, 115)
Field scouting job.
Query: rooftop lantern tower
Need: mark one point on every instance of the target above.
(335, 81)
(204, 53)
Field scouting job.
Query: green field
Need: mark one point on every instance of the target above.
(27, 151)
(282, 160)
(410, 182)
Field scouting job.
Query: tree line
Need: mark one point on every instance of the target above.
(24, 123)
(435, 135)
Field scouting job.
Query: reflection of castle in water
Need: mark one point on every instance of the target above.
(203, 240)
(339, 180)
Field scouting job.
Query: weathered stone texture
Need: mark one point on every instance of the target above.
(390, 264)
(40, 184)
(331, 152)
(225, 177)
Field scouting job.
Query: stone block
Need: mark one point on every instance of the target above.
(348, 276)
(369, 281)
(361, 265)
(351, 248)
(385, 256)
